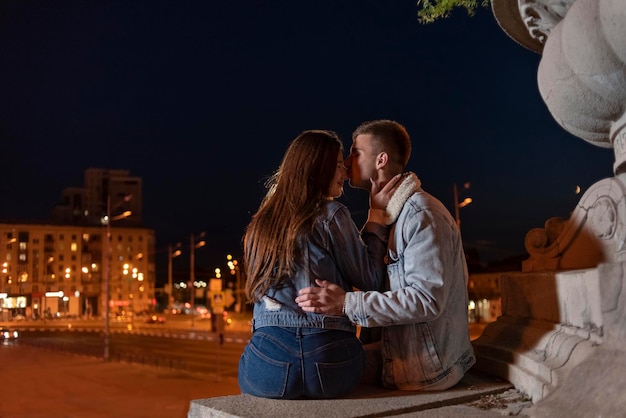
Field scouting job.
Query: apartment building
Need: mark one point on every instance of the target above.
(103, 189)
(61, 268)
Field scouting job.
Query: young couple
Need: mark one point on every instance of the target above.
(313, 277)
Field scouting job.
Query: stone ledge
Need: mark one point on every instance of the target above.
(366, 401)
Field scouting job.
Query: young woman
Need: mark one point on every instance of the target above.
(299, 234)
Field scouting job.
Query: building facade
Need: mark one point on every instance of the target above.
(60, 270)
(102, 187)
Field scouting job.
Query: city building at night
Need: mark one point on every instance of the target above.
(52, 270)
(60, 267)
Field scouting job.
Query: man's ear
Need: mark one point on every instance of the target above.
(381, 160)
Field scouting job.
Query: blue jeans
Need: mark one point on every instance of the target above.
(290, 363)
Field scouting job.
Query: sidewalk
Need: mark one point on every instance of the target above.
(37, 383)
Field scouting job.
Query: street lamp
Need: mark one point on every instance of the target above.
(171, 253)
(458, 205)
(233, 265)
(107, 269)
(192, 277)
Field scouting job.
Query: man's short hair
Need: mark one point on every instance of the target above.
(390, 137)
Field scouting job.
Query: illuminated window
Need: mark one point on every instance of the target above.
(73, 247)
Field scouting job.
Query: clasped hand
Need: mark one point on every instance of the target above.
(326, 299)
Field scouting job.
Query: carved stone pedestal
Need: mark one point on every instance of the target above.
(550, 322)
(560, 334)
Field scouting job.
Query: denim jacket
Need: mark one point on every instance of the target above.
(334, 251)
(424, 314)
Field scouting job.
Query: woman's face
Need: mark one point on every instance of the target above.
(341, 175)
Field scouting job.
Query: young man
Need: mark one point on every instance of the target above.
(424, 341)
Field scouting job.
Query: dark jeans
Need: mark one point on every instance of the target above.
(290, 363)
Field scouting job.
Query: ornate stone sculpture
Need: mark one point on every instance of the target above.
(582, 80)
(562, 335)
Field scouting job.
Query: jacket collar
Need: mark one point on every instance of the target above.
(409, 185)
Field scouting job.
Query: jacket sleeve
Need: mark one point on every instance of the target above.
(420, 275)
(360, 258)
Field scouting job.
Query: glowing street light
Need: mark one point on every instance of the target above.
(235, 271)
(107, 270)
(462, 204)
(171, 253)
(192, 276)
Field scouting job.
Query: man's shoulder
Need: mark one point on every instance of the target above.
(422, 197)
(422, 201)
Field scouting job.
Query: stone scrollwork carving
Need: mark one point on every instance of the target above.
(602, 218)
(594, 233)
(539, 240)
(536, 241)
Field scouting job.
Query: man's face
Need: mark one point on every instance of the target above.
(361, 163)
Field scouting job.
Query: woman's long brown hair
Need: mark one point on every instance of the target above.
(295, 194)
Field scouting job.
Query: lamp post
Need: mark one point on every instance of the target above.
(171, 253)
(107, 266)
(107, 272)
(233, 265)
(462, 204)
(192, 277)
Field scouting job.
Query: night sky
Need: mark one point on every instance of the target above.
(201, 98)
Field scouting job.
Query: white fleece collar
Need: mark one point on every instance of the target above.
(410, 184)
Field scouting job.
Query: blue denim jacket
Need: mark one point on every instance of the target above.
(424, 313)
(334, 251)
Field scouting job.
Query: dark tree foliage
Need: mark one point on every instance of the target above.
(431, 10)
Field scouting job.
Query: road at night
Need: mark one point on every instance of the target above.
(177, 344)
(195, 355)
